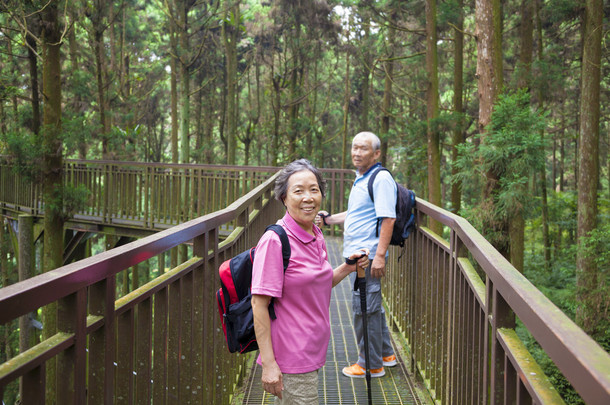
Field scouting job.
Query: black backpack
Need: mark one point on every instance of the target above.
(234, 296)
(405, 217)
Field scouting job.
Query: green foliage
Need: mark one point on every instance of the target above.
(562, 10)
(75, 199)
(512, 150)
(593, 289)
(24, 152)
(447, 13)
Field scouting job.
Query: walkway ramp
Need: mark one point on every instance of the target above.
(396, 387)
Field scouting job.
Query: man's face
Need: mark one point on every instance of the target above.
(363, 155)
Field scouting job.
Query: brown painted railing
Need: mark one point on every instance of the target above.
(460, 328)
(151, 195)
(163, 341)
(139, 195)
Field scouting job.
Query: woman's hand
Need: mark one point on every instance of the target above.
(272, 380)
(363, 258)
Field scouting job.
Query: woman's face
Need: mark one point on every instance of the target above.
(303, 198)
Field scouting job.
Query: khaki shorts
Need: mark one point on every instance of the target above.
(299, 389)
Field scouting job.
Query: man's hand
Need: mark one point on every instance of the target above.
(318, 220)
(378, 267)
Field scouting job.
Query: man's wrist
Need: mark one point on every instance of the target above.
(324, 219)
(379, 255)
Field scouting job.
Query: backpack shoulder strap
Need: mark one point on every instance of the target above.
(372, 180)
(281, 232)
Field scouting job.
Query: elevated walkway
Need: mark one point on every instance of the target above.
(398, 386)
(452, 298)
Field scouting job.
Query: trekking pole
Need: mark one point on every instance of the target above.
(362, 287)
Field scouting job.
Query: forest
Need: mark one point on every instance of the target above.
(496, 110)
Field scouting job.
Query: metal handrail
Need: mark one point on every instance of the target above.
(98, 318)
(469, 330)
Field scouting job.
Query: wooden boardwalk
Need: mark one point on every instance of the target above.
(396, 387)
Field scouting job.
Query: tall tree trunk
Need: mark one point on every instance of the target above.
(386, 107)
(546, 240)
(174, 82)
(182, 9)
(488, 85)
(458, 106)
(346, 97)
(517, 224)
(295, 87)
(434, 152)
(230, 30)
(98, 27)
(317, 151)
(33, 59)
(366, 69)
(76, 99)
(52, 167)
(277, 108)
(588, 277)
(498, 64)
(199, 127)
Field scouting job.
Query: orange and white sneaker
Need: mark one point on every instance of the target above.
(355, 371)
(389, 361)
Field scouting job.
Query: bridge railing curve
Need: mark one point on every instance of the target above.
(107, 349)
(456, 302)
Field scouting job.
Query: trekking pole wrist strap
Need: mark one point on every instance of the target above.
(351, 261)
(324, 219)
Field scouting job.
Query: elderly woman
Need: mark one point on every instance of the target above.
(293, 346)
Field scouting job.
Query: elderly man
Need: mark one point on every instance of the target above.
(368, 223)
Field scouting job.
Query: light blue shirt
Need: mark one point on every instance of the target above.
(360, 225)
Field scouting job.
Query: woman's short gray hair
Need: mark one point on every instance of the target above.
(281, 183)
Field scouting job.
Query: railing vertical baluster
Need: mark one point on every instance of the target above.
(200, 281)
(145, 198)
(510, 381)
(502, 317)
(211, 320)
(174, 369)
(486, 344)
(160, 365)
(125, 358)
(33, 386)
(143, 352)
(102, 343)
(523, 396)
(480, 357)
(451, 324)
(71, 363)
(186, 340)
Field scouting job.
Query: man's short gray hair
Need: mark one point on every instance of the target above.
(375, 141)
(281, 183)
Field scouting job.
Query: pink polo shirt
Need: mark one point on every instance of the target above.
(301, 332)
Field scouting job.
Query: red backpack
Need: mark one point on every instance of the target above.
(235, 282)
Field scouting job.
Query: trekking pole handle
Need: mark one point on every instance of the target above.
(362, 270)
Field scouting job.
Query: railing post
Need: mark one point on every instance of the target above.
(160, 331)
(71, 363)
(200, 283)
(501, 317)
(210, 258)
(102, 342)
